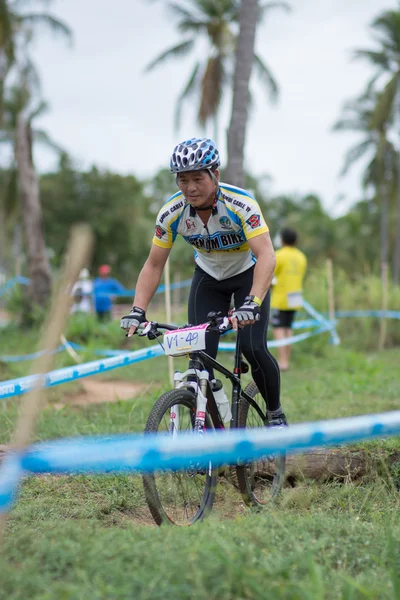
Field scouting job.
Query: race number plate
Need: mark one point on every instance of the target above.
(183, 341)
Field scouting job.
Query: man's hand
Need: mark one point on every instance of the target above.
(247, 314)
(131, 322)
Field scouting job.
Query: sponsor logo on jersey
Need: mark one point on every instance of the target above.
(225, 223)
(159, 232)
(223, 241)
(254, 221)
(190, 224)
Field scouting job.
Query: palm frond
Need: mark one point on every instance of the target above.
(379, 59)
(388, 26)
(354, 154)
(349, 124)
(185, 94)
(44, 19)
(211, 93)
(6, 34)
(42, 137)
(40, 110)
(264, 8)
(266, 78)
(6, 137)
(177, 51)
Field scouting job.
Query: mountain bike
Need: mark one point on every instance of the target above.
(185, 496)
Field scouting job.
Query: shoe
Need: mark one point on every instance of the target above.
(278, 421)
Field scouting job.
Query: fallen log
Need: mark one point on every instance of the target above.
(330, 464)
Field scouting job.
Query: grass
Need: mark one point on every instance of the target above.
(91, 537)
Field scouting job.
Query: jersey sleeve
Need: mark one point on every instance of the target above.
(163, 236)
(253, 220)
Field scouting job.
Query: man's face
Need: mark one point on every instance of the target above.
(198, 187)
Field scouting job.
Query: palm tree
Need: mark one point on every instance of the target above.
(360, 115)
(16, 28)
(16, 32)
(19, 133)
(214, 21)
(248, 18)
(386, 59)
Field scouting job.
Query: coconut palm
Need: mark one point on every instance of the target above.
(360, 115)
(22, 193)
(16, 27)
(212, 23)
(386, 60)
(248, 18)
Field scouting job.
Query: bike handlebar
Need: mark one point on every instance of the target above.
(151, 329)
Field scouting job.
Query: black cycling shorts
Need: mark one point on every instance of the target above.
(282, 318)
(209, 294)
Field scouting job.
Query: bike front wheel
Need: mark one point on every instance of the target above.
(185, 496)
(260, 480)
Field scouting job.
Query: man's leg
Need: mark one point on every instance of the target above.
(253, 339)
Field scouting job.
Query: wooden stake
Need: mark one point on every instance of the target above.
(331, 295)
(77, 256)
(167, 276)
(385, 298)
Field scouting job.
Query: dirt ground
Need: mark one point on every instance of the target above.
(96, 391)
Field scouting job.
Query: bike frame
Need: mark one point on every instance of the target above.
(235, 379)
(198, 363)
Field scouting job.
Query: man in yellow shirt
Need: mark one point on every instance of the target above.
(287, 290)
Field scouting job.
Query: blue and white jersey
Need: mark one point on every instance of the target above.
(221, 246)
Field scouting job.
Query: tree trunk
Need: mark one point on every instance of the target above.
(248, 17)
(330, 464)
(383, 193)
(396, 250)
(38, 264)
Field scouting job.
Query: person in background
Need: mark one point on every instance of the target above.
(82, 292)
(104, 289)
(287, 290)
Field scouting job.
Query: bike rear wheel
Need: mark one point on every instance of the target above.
(185, 496)
(261, 480)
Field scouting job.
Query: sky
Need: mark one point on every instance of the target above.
(106, 111)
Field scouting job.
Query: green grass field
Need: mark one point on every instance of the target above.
(91, 537)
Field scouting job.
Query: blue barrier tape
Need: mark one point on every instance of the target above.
(147, 453)
(12, 282)
(290, 340)
(16, 387)
(22, 357)
(387, 314)
(335, 340)
(32, 356)
(11, 473)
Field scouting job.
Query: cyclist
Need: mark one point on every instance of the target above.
(286, 299)
(233, 255)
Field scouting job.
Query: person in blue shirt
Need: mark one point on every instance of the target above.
(104, 288)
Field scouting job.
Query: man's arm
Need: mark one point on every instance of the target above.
(149, 279)
(263, 250)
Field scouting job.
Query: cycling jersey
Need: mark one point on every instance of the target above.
(290, 268)
(221, 246)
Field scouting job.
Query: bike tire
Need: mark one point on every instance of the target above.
(256, 486)
(197, 487)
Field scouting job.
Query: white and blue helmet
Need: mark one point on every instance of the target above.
(194, 155)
